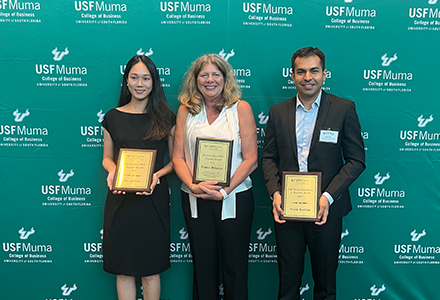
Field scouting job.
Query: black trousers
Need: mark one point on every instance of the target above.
(215, 242)
(323, 243)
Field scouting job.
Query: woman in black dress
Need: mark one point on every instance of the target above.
(137, 225)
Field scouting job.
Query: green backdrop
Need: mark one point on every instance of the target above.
(61, 67)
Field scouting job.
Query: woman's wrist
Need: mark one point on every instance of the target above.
(224, 194)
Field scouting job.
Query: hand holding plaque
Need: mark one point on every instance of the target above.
(134, 170)
(300, 196)
(212, 161)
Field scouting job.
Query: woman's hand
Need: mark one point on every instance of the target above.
(154, 182)
(108, 162)
(208, 190)
(110, 177)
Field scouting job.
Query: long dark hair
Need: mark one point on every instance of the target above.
(157, 106)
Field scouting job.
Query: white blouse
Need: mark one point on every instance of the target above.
(224, 127)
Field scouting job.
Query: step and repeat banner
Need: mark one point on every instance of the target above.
(62, 64)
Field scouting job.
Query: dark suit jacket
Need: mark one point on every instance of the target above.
(340, 163)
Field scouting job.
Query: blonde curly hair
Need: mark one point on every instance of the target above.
(190, 95)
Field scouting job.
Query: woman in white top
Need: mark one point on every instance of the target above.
(218, 219)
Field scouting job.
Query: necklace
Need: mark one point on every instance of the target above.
(211, 114)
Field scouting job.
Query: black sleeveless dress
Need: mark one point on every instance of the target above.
(136, 239)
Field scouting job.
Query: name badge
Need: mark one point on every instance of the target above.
(329, 136)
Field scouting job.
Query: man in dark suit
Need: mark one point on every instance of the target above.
(312, 132)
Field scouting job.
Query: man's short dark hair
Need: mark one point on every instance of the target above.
(307, 52)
